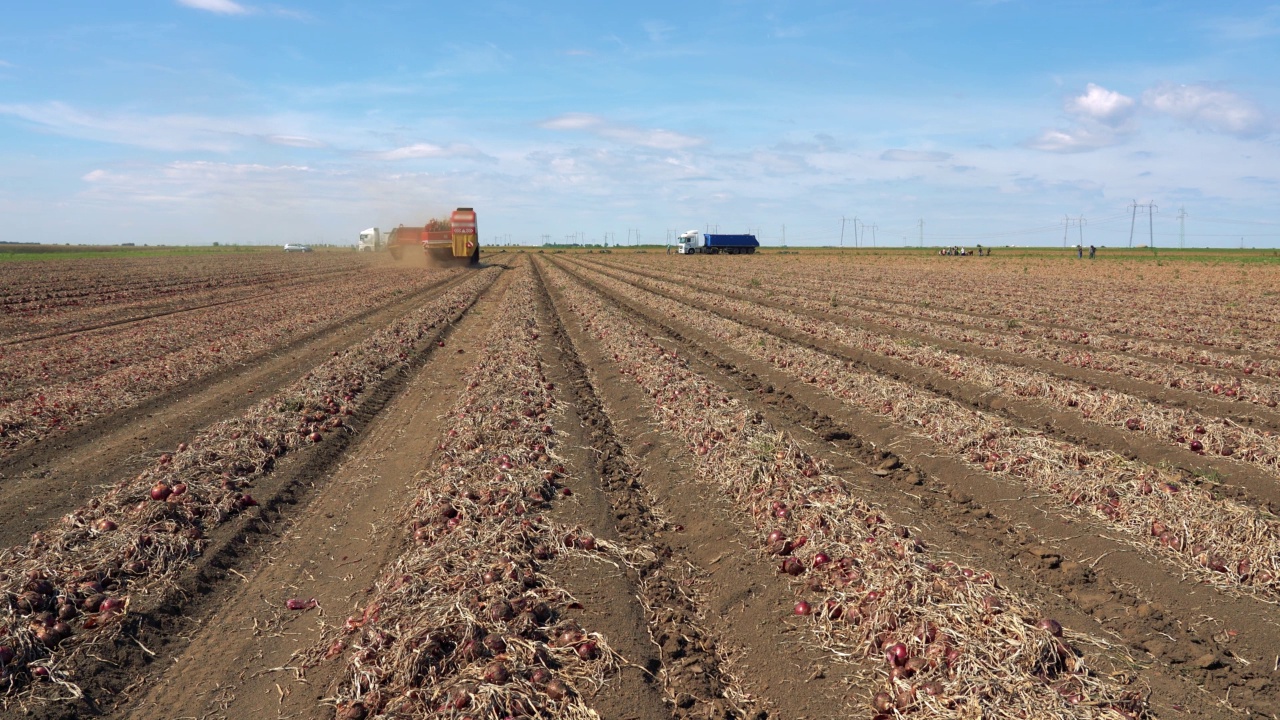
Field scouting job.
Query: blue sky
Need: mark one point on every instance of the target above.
(246, 121)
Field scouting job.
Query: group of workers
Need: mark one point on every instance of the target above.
(958, 251)
(1093, 251)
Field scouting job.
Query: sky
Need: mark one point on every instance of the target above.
(1001, 122)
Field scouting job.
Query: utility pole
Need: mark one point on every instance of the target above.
(1182, 228)
(842, 233)
(1080, 225)
(873, 235)
(1066, 223)
(921, 232)
(784, 236)
(856, 241)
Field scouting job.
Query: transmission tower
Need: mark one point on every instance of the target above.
(1182, 228)
(1152, 209)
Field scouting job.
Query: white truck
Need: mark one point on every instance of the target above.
(371, 240)
(694, 242)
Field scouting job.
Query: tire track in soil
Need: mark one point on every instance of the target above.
(660, 632)
(747, 606)
(1243, 481)
(161, 627)
(40, 484)
(1177, 631)
(238, 663)
(1245, 413)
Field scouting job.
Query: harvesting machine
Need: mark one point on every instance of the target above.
(445, 242)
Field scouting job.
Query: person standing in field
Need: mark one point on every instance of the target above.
(1079, 251)
(1092, 251)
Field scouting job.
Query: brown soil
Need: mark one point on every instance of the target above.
(45, 481)
(1241, 412)
(238, 662)
(1246, 482)
(705, 628)
(1166, 625)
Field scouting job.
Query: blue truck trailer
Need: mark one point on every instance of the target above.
(696, 242)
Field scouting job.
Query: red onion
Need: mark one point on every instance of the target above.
(802, 608)
(896, 654)
(160, 491)
(1053, 627)
(556, 689)
(497, 674)
(882, 702)
(821, 559)
(791, 566)
(105, 525)
(588, 650)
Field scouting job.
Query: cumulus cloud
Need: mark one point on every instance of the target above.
(222, 7)
(1102, 105)
(655, 138)
(896, 155)
(1098, 118)
(1208, 108)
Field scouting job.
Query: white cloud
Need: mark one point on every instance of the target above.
(5, 64)
(896, 155)
(572, 121)
(655, 138)
(1098, 118)
(222, 7)
(429, 150)
(1103, 105)
(1208, 108)
(294, 141)
(1071, 141)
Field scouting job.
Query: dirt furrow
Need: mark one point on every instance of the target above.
(1201, 650)
(47, 480)
(1249, 483)
(239, 661)
(681, 655)
(1241, 412)
(909, 305)
(159, 627)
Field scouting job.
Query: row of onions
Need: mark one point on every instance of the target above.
(1222, 541)
(929, 638)
(1126, 300)
(55, 296)
(1187, 428)
(70, 589)
(50, 386)
(1162, 308)
(467, 623)
(1234, 379)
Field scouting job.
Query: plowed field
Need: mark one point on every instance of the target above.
(639, 486)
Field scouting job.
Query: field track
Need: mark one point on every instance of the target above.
(640, 486)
